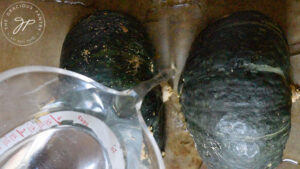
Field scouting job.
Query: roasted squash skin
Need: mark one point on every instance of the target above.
(113, 49)
(235, 92)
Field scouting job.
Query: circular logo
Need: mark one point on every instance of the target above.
(23, 23)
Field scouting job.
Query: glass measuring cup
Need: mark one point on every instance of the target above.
(54, 118)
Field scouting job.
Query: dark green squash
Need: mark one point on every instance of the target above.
(112, 48)
(235, 92)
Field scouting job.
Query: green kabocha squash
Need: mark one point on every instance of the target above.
(235, 92)
(113, 49)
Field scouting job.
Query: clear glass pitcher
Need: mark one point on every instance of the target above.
(54, 118)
